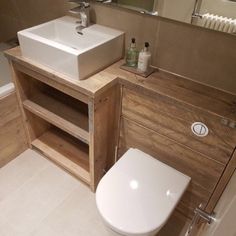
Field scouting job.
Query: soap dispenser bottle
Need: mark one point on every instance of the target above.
(144, 58)
(132, 54)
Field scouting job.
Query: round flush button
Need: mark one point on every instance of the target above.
(199, 129)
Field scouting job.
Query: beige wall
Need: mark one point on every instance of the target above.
(200, 54)
(17, 14)
(136, 25)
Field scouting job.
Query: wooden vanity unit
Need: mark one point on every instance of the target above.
(73, 123)
(79, 124)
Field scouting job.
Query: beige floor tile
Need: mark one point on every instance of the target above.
(77, 215)
(44, 230)
(19, 171)
(34, 200)
(46, 201)
(8, 230)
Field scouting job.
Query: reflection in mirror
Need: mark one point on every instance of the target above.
(212, 14)
(180, 10)
(147, 6)
(218, 15)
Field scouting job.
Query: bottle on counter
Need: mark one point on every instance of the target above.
(132, 54)
(144, 58)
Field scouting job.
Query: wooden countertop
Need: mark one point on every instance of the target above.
(92, 86)
(159, 83)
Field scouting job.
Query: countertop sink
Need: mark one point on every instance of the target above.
(57, 44)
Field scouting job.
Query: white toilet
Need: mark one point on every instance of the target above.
(138, 194)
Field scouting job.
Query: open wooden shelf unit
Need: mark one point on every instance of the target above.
(75, 128)
(57, 125)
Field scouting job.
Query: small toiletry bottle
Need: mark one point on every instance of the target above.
(132, 54)
(144, 58)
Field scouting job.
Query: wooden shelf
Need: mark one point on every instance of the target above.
(65, 151)
(61, 115)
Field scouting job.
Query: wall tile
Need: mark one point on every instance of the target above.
(19, 14)
(142, 27)
(200, 54)
(33, 12)
(7, 7)
(9, 26)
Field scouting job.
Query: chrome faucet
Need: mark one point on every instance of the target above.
(83, 11)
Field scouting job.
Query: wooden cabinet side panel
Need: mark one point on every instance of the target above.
(103, 128)
(22, 89)
(34, 126)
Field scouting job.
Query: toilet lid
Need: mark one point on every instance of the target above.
(138, 194)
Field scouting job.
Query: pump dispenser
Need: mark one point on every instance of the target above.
(132, 54)
(144, 58)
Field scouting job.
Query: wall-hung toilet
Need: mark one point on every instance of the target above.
(138, 194)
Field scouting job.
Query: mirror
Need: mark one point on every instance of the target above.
(212, 14)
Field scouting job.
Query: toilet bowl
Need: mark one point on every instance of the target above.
(138, 194)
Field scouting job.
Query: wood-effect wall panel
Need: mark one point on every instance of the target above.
(12, 135)
(174, 119)
(104, 113)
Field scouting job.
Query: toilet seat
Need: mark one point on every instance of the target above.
(138, 194)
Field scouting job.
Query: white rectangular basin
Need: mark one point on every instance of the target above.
(57, 44)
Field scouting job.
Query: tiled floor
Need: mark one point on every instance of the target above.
(38, 198)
